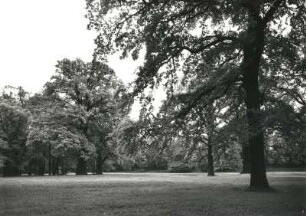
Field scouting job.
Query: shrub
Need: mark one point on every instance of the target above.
(179, 167)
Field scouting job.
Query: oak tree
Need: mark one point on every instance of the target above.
(93, 99)
(239, 34)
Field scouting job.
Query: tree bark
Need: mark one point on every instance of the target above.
(41, 167)
(210, 125)
(55, 163)
(100, 161)
(49, 160)
(63, 167)
(245, 155)
(30, 169)
(99, 164)
(81, 166)
(210, 161)
(253, 49)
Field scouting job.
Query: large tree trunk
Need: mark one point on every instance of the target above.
(100, 161)
(81, 166)
(210, 161)
(253, 49)
(245, 155)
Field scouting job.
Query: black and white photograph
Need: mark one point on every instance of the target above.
(153, 108)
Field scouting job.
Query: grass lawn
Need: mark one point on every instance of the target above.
(141, 194)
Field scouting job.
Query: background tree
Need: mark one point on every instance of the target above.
(14, 95)
(13, 134)
(97, 99)
(54, 136)
(285, 126)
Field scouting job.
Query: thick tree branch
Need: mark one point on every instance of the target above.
(271, 11)
(219, 39)
(252, 7)
(219, 88)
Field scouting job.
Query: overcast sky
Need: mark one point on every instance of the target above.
(37, 33)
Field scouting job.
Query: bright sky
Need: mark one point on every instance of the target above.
(37, 33)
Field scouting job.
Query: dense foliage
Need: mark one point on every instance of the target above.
(234, 77)
(234, 43)
(13, 135)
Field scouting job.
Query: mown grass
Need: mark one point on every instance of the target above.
(141, 194)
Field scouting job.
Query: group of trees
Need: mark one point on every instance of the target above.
(67, 126)
(254, 47)
(234, 75)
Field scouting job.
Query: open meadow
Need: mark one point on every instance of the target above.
(152, 194)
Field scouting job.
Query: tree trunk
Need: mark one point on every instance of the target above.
(30, 168)
(50, 161)
(41, 167)
(253, 49)
(210, 161)
(63, 167)
(55, 166)
(245, 155)
(210, 125)
(99, 164)
(100, 161)
(81, 166)
(256, 137)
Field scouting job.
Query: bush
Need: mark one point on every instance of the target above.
(179, 167)
(228, 166)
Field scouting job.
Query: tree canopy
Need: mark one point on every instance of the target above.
(13, 136)
(237, 41)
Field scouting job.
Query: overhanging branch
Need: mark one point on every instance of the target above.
(271, 11)
(219, 89)
(202, 47)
